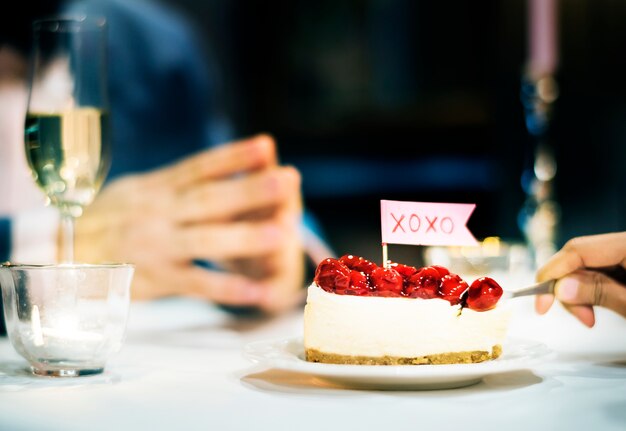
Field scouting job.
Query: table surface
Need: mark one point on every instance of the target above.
(182, 366)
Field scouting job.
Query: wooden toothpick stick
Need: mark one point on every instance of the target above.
(385, 258)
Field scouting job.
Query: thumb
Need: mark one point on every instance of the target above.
(592, 288)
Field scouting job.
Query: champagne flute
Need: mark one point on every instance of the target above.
(66, 127)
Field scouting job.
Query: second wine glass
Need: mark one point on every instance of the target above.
(67, 128)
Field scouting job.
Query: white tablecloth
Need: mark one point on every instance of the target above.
(182, 367)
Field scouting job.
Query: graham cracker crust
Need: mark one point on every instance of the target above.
(313, 355)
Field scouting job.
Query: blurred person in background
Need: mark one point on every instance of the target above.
(218, 222)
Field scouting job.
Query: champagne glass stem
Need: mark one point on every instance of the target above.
(67, 238)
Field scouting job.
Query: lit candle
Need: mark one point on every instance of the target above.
(542, 38)
(62, 337)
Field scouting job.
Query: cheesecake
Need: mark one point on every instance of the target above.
(359, 313)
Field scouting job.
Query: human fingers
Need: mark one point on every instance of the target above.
(160, 269)
(286, 288)
(584, 313)
(279, 259)
(234, 197)
(192, 281)
(289, 262)
(220, 241)
(543, 303)
(589, 288)
(225, 160)
(282, 270)
(277, 300)
(594, 251)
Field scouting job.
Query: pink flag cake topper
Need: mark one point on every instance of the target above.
(425, 223)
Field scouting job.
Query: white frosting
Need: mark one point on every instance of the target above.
(401, 327)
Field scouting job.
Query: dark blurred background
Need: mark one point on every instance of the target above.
(420, 100)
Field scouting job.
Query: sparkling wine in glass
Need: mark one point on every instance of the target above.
(66, 127)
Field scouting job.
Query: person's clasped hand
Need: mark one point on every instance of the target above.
(590, 271)
(232, 205)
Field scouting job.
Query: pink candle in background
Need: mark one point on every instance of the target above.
(542, 37)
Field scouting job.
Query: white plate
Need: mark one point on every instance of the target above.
(288, 354)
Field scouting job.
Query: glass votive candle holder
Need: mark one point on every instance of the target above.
(508, 262)
(66, 319)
